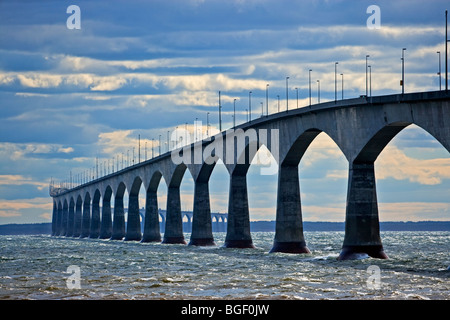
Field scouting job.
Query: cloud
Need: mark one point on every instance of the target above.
(393, 163)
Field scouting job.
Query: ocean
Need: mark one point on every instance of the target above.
(41, 267)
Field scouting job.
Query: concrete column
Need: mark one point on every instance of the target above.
(95, 220)
(106, 223)
(362, 229)
(86, 220)
(70, 221)
(174, 223)
(238, 226)
(151, 221)
(118, 231)
(201, 220)
(289, 224)
(133, 222)
(77, 221)
(65, 219)
(54, 217)
(58, 221)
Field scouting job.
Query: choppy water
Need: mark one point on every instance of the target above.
(34, 267)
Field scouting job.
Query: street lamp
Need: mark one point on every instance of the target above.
(250, 105)
(310, 87)
(207, 123)
(278, 96)
(367, 56)
(262, 109)
(403, 70)
(439, 72)
(335, 81)
(159, 144)
(220, 115)
(267, 99)
(342, 75)
(234, 113)
(318, 91)
(296, 89)
(287, 94)
(370, 80)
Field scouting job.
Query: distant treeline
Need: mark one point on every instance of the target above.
(340, 226)
(46, 228)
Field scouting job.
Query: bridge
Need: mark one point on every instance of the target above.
(361, 128)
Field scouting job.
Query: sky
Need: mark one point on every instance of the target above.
(137, 69)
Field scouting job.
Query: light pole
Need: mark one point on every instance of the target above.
(207, 123)
(278, 96)
(310, 87)
(159, 144)
(439, 72)
(342, 75)
(335, 81)
(234, 113)
(250, 105)
(370, 81)
(220, 115)
(262, 109)
(367, 56)
(446, 52)
(296, 89)
(318, 91)
(403, 70)
(287, 94)
(267, 99)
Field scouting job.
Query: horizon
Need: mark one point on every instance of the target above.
(71, 96)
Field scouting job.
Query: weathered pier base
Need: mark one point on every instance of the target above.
(362, 228)
(201, 221)
(238, 226)
(289, 224)
(174, 223)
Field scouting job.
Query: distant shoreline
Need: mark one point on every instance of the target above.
(255, 226)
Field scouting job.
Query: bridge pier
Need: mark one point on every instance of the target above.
(238, 226)
(65, 218)
(289, 224)
(174, 223)
(77, 220)
(54, 217)
(133, 221)
(151, 220)
(71, 220)
(94, 232)
(58, 220)
(201, 219)
(118, 230)
(106, 223)
(362, 228)
(86, 219)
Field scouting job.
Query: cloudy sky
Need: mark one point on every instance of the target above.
(142, 68)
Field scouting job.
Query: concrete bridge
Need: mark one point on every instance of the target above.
(361, 128)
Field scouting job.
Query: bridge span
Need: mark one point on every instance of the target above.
(361, 128)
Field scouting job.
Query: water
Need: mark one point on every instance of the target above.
(34, 267)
